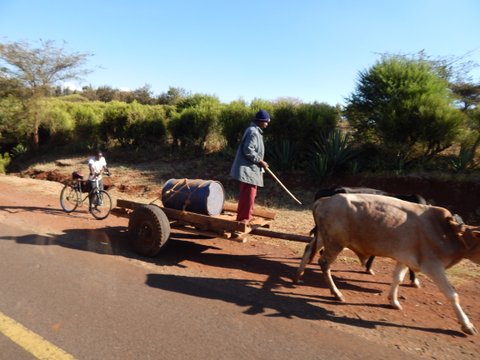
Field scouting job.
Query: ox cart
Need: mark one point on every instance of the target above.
(150, 224)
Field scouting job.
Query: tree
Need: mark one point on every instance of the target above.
(403, 105)
(468, 95)
(144, 95)
(38, 71)
(173, 96)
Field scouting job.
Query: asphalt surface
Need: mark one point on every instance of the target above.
(74, 282)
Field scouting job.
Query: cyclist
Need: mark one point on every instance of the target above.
(97, 165)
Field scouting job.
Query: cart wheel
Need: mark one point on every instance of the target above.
(149, 230)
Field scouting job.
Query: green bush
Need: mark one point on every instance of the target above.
(234, 118)
(57, 124)
(87, 123)
(300, 124)
(4, 162)
(150, 130)
(114, 126)
(193, 125)
(188, 129)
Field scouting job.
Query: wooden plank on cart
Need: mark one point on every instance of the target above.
(228, 207)
(224, 235)
(128, 204)
(203, 222)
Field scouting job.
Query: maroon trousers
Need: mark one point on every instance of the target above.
(246, 201)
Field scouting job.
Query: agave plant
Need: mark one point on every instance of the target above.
(330, 154)
(282, 155)
(464, 160)
(18, 150)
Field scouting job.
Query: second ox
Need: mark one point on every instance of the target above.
(310, 250)
(421, 237)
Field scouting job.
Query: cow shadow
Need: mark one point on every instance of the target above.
(256, 300)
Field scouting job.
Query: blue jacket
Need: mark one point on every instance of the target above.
(245, 167)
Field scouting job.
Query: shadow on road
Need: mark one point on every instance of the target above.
(107, 240)
(256, 300)
(275, 296)
(45, 210)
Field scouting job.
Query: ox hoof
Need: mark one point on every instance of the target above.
(396, 305)
(339, 297)
(297, 281)
(469, 329)
(370, 271)
(297, 278)
(415, 284)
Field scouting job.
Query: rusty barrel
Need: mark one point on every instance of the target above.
(199, 196)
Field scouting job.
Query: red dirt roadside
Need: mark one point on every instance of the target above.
(426, 327)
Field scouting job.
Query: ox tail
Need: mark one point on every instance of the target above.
(310, 250)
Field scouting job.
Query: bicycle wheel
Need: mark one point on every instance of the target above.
(69, 198)
(101, 205)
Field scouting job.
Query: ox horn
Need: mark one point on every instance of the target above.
(458, 227)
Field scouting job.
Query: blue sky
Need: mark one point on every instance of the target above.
(311, 50)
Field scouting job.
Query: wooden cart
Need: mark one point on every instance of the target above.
(149, 225)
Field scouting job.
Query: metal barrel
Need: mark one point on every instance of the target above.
(195, 195)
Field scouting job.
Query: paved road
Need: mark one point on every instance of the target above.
(73, 282)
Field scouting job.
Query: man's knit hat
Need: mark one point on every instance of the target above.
(262, 115)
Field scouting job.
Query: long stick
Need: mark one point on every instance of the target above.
(283, 186)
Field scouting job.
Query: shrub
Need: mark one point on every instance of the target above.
(147, 132)
(4, 162)
(57, 124)
(234, 118)
(87, 123)
(330, 154)
(115, 123)
(193, 125)
(300, 124)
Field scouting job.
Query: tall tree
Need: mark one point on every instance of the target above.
(38, 70)
(402, 104)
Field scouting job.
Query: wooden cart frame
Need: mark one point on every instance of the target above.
(150, 225)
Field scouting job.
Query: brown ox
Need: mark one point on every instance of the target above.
(420, 237)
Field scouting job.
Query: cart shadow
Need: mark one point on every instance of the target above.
(46, 210)
(112, 240)
(107, 240)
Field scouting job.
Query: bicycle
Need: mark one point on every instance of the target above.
(71, 197)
